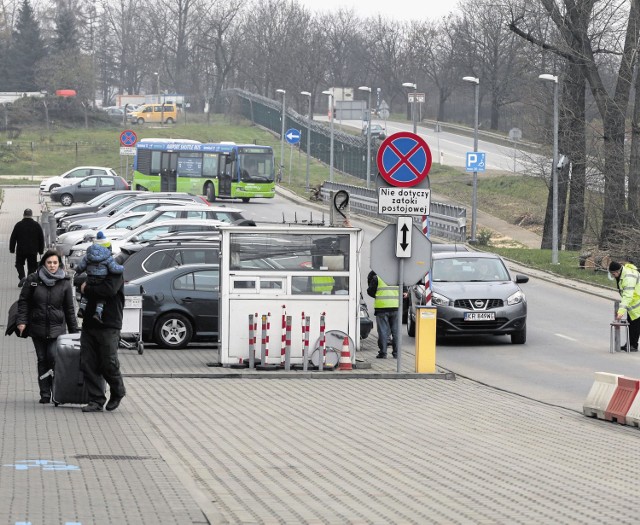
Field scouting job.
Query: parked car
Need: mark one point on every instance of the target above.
(86, 189)
(113, 228)
(115, 113)
(133, 205)
(474, 294)
(146, 233)
(74, 175)
(194, 211)
(377, 131)
(95, 204)
(125, 203)
(180, 305)
(164, 252)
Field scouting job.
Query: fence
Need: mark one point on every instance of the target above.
(349, 151)
(445, 220)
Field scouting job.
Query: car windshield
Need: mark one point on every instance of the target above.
(469, 269)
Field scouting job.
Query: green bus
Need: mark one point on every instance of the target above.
(218, 171)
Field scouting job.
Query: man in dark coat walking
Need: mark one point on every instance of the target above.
(27, 241)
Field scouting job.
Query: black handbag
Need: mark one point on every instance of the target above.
(11, 322)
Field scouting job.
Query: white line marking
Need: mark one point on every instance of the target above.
(566, 337)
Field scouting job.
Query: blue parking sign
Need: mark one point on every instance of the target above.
(476, 161)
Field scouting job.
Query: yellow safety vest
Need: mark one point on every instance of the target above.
(629, 286)
(386, 296)
(322, 284)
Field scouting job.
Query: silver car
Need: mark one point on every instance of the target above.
(474, 294)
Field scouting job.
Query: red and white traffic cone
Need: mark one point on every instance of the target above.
(345, 356)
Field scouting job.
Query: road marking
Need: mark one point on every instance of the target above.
(566, 337)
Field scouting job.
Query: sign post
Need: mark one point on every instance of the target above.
(404, 160)
(293, 137)
(128, 140)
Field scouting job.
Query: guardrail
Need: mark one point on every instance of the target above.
(445, 220)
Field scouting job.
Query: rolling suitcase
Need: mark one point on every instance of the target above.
(68, 378)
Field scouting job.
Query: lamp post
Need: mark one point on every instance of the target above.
(366, 88)
(474, 200)
(307, 94)
(413, 86)
(329, 93)
(554, 168)
(284, 95)
(157, 84)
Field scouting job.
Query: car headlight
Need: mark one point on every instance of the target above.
(64, 224)
(516, 298)
(363, 311)
(75, 227)
(78, 253)
(439, 300)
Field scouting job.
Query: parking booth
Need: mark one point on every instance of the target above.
(283, 285)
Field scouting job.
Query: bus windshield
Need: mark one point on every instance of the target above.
(256, 167)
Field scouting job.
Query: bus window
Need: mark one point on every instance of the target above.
(210, 165)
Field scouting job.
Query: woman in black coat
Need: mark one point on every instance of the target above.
(45, 310)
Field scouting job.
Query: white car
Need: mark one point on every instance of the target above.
(73, 176)
(113, 228)
(146, 233)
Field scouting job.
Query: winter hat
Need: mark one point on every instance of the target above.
(615, 266)
(102, 240)
(27, 213)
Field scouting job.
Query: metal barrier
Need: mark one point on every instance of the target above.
(445, 220)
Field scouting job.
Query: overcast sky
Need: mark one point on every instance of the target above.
(392, 9)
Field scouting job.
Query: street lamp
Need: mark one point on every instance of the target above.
(554, 168)
(474, 200)
(329, 93)
(365, 88)
(307, 94)
(284, 95)
(413, 86)
(157, 84)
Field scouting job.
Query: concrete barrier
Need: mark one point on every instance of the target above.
(621, 400)
(599, 397)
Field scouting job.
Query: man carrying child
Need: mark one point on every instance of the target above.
(97, 263)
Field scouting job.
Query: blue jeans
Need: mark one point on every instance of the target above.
(386, 323)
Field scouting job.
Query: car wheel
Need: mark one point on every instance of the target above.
(210, 193)
(140, 120)
(66, 199)
(411, 326)
(245, 199)
(169, 120)
(519, 337)
(53, 187)
(173, 330)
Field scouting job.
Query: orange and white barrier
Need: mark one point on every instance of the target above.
(621, 400)
(600, 395)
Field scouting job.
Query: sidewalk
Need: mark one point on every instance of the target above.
(186, 448)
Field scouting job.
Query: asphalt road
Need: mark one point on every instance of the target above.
(567, 335)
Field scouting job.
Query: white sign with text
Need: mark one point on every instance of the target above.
(404, 201)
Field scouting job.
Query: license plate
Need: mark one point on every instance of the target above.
(480, 316)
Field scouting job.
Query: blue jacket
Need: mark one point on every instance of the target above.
(98, 262)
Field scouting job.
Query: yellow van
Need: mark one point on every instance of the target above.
(167, 113)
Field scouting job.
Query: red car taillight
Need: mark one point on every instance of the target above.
(126, 184)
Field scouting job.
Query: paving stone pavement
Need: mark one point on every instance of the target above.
(191, 450)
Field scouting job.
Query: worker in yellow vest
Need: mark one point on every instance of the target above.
(628, 282)
(386, 311)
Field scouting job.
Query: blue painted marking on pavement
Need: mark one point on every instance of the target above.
(44, 464)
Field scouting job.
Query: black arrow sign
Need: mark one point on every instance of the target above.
(405, 231)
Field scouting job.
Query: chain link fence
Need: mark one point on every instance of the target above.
(349, 151)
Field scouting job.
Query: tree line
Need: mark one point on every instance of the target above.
(198, 48)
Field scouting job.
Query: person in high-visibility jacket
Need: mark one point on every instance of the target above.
(386, 311)
(322, 284)
(628, 280)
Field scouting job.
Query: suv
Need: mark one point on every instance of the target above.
(144, 259)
